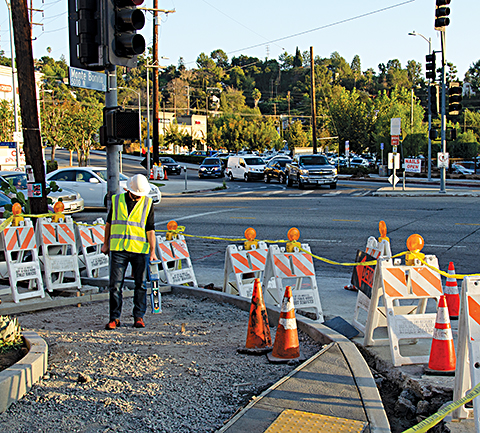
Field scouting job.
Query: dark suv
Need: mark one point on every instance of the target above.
(211, 167)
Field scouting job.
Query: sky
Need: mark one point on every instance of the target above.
(376, 30)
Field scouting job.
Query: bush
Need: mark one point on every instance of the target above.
(10, 333)
(51, 165)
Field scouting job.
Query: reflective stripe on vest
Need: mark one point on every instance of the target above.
(127, 232)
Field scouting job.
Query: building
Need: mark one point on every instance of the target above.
(192, 124)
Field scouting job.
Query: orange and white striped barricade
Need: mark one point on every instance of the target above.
(21, 258)
(58, 254)
(363, 278)
(292, 269)
(242, 267)
(176, 262)
(406, 291)
(467, 374)
(90, 239)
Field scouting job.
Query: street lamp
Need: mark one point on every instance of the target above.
(429, 40)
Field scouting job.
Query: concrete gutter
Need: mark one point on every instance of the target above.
(18, 379)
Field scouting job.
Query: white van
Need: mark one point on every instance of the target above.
(247, 167)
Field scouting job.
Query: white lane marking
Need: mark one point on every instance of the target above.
(331, 194)
(195, 216)
(272, 192)
(446, 246)
(241, 193)
(301, 194)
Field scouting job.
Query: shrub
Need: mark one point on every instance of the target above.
(10, 333)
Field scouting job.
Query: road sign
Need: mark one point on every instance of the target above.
(395, 126)
(393, 160)
(381, 146)
(88, 79)
(395, 140)
(413, 165)
(347, 149)
(393, 179)
(442, 160)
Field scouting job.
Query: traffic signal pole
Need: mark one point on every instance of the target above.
(113, 150)
(443, 171)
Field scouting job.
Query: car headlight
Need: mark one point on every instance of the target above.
(334, 172)
(304, 172)
(202, 168)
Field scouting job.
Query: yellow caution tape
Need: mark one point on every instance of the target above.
(445, 274)
(434, 419)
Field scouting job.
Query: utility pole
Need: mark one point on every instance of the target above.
(155, 84)
(28, 101)
(314, 104)
(443, 171)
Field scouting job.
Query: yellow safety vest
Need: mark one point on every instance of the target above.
(127, 232)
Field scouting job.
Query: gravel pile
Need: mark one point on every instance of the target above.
(181, 373)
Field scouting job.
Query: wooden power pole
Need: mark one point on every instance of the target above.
(314, 104)
(32, 145)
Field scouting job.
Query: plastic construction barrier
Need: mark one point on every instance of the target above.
(405, 291)
(89, 239)
(363, 278)
(21, 258)
(294, 269)
(242, 267)
(58, 254)
(467, 373)
(176, 262)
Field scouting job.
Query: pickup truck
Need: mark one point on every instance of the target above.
(311, 170)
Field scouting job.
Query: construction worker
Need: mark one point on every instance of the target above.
(130, 238)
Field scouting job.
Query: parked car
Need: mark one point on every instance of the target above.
(460, 169)
(275, 169)
(72, 199)
(91, 183)
(211, 167)
(359, 162)
(171, 166)
(247, 167)
(311, 170)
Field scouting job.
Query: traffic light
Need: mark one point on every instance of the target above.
(123, 41)
(431, 67)
(120, 125)
(454, 99)
(441, 14)
(86, 34)
(434, 99)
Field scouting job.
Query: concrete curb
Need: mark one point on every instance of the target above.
(18, 379)
(361, 373)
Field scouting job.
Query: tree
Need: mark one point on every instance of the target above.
(296, 136)
(7, 123)
(256, 95)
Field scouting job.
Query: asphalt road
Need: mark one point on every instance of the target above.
(335, 223)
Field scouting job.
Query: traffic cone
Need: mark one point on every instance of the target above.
(451, 293)
(286, 347)
(442, 352)
(165, 177)
(259, 340)
(151, 174)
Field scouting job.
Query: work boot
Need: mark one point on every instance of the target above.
(112, 324)
(139, 323)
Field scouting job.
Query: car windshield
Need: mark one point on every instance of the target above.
(167, 160)
(254, 161)
(211, 161)
(19, 180)
(313, 160)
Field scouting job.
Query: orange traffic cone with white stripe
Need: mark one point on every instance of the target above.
(259, 340)
(442, 352)
(165, 177)
(286, 347)
(451, 293)
(151, 174)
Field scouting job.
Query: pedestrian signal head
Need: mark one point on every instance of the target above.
(293, 234)
(250, 234)
(58, 207)
(415, 243)
(16, 208)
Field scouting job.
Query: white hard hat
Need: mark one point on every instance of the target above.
(138, 185)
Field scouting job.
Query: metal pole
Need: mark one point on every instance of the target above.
(148, 122)
(113, 150)
(444, 144)
(14, 85)
(429, 162)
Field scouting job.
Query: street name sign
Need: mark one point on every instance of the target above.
(87, 79)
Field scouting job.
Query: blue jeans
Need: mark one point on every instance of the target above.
(119, 261)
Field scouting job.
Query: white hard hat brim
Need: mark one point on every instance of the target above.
(137, 193)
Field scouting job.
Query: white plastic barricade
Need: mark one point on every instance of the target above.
(176, 262)
(363, 277)
(246, 266)
(292, 269)
(467, 373)
(89, 244)
(21, 258)
(58, 254)
(405, 291)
